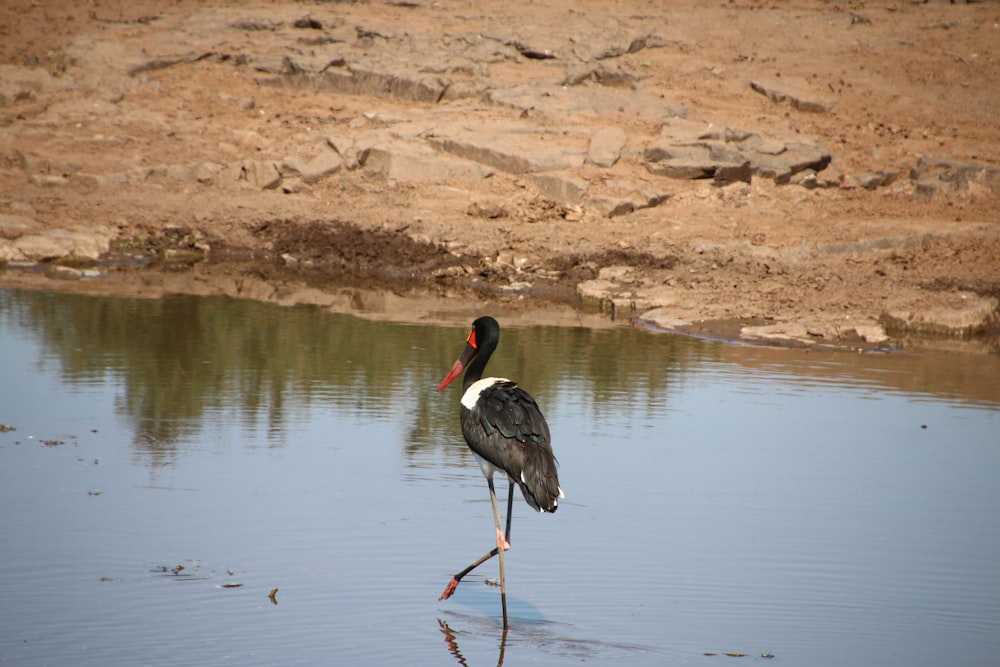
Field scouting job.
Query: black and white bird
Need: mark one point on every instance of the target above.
(507, 434)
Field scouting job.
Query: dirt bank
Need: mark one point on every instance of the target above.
(804, 173)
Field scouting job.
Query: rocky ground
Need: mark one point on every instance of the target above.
(800, 172)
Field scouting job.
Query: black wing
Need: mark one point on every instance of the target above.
(507, 429)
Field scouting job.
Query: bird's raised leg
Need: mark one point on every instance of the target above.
(502, 546)
(453, 584)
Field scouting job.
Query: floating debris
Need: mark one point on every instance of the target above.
(273, 596)
(231, 584)
(95, 492)
(6, 427)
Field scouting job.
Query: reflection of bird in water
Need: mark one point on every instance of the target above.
(452, 641)
(507, 433)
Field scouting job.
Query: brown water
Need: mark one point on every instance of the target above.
(176, 461)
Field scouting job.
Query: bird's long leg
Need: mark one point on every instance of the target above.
(453, 584)
(510, 504)
(502, 546)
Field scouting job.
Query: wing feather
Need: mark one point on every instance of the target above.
(506, 428)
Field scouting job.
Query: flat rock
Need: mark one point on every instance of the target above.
(597, 100)
(515, 149)
(57, 244)
(621, 198)
(688, 150)
(320, 167)
(398, 160)
(261, 174)
(938, 173)
(942, 313)
(606, 146)
(566, 189)
(785, 332)
(612, 206)
(797, 93)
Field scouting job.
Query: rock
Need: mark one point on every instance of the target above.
(323, 165)
(230, 174)
(116, 179)
(683, 162)
(616, 77)
(871, 181)
(564, 101)
(404, 161)
(936, 173)
(261, 175)
(379, 80)
(515, 149)
(665, 318)
(688, 150)
(697, 161)
(806, 178)
(206, 172)
(597, 295)
(941, 313)
(48, 180)
(871, 333)
(785, 332)
(487, 209)
(57, 272)
(564, 189)
(609, 43)
(59, 243)
(606, 146)
(733, 172)
(612, 206)
(797, 156)
(14, 226)
(796, 92)
(291, 167)
(623, 198)
(618, 274)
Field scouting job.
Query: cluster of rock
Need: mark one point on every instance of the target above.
(565, 162)
(936, 173)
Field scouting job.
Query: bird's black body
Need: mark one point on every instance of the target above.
(507, 431)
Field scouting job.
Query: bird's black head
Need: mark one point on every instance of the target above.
(482, 340)
(485, 333)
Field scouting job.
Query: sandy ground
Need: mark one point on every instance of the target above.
(837, 264)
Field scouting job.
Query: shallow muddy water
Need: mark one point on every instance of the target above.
(175, 461)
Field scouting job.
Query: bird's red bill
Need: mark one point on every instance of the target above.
(471, 349)
(455, 371)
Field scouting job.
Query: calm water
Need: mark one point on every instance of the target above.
(824, 507)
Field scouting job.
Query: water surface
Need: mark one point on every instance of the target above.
(175, 461)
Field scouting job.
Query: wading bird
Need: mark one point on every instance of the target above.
(507, 434)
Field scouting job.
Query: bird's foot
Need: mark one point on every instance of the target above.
(502, 542)
(449, 589)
